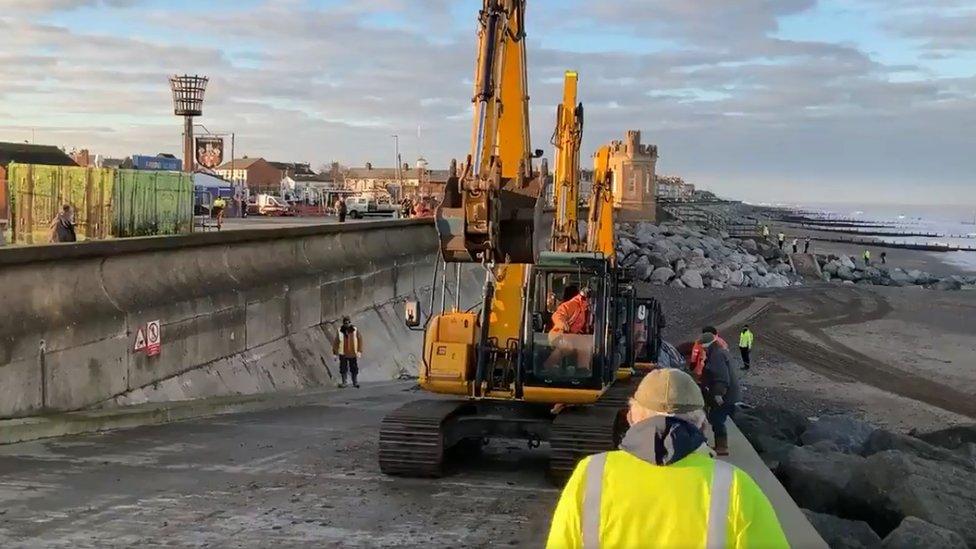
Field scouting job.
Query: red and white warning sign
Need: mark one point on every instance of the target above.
(153, 342)
(140, 340)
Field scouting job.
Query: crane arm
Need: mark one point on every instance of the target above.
(567, 139)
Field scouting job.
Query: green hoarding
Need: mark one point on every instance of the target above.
(106, 203)
(152, 203)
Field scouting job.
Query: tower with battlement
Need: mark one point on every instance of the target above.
(634, 164)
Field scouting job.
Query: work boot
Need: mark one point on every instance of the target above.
(356, 385)
(342, 384)
(722, 445)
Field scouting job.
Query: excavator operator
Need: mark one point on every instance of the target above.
(572, 317)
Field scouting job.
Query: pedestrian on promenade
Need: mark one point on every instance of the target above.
(63, 226)
(219, 205)
(806, 245)
(341, 209)
(782, 240)
(884, 258)
(721, 389)
(867, 258)
(663, 488)
(746, 338)
(348, 347)
(765, 233)
(796, 244)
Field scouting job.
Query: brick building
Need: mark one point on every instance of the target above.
(258, 174)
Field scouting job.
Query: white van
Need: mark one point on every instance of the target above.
(358, 207)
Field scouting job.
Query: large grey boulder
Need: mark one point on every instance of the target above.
(842, 533)
(818, 480)
(845, 273)
(643, 269)
(716, 285)
(951, 437)
(658, 260)
(892, 485)
(831, 267)
(882, 440)
(680, 265)
(692, 279)
(847, 262)
(677, 283)
(625, 246)
(750, 246)
(900, 277)
(914, 532)
(736, 278)
(662, 276)
(780, 423)
(849, 434)
(947, 284)
(783, 268)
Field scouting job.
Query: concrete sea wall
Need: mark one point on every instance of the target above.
(241, 312)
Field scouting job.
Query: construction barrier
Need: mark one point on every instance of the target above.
(106, 203)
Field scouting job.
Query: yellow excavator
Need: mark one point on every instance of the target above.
(514, 373)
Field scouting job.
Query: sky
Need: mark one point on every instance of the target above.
(761, 100)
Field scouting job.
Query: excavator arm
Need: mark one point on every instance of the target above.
(490, 204)
(600, 233)
(567, 139)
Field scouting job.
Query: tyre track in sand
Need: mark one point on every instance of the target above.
(794, 326)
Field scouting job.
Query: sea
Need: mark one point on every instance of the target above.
(954, 224)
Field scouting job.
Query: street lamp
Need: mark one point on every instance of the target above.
(188, 102)
(396, 145)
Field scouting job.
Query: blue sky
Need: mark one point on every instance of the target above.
(785, 100)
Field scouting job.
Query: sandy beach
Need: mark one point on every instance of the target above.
(901, 358)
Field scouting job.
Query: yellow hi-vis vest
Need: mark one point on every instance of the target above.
(745, 339)
(617, 500)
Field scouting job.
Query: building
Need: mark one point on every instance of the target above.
(257, 174)
(633, 186)
(672, 188)
(406, 182)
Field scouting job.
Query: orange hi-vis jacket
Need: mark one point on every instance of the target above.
(571, 316)
(698, 353)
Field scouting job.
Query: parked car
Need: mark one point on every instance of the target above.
(266, 204)
(358, 207)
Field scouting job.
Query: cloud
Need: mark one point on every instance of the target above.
(729, 101)
(35, 6)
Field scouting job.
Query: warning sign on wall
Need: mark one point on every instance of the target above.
(153, 340)
(140, 344)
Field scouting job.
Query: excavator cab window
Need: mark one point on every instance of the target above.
(564, 340)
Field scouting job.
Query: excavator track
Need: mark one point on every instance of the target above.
(580, 432)
(583, 431)
(412, 438)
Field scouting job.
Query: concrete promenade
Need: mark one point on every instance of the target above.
(298, 477)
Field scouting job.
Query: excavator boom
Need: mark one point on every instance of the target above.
(567, 139)
(490, 205)
(600, 234)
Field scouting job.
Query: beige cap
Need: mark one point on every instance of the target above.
(669, 391)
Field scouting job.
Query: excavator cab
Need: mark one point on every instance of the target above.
(568, 358)
(648, 322)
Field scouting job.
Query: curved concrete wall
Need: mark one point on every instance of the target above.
(241, 312)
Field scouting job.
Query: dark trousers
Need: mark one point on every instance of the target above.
(717, 416)
(349, 366)
(806, 248)
(781, 244)
(745, 356)
(342, 217)
(794, 248)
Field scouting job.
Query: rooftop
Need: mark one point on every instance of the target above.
(25, 153)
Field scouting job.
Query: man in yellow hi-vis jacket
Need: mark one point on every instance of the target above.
(663, 488)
